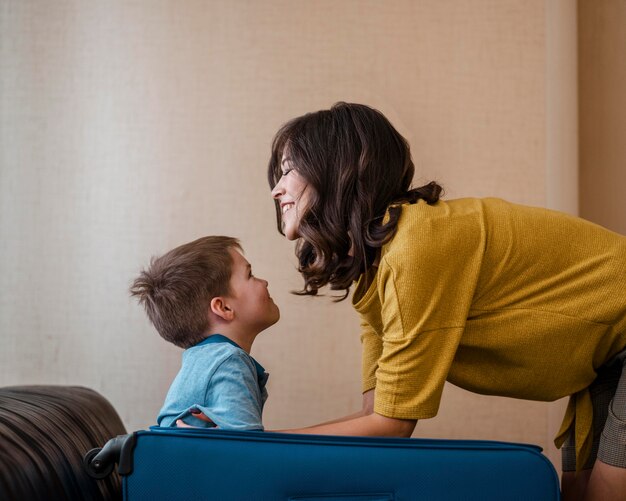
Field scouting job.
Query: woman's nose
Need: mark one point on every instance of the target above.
(278, 189)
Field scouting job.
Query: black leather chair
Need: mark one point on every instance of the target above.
(44, 433)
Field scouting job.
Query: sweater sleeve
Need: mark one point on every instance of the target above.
(372, 348)
(425, 284)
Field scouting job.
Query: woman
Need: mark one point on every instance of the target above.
(494, 297)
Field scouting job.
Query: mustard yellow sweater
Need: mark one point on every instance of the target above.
(497, 298)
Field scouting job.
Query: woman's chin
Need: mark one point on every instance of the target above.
(290, 233)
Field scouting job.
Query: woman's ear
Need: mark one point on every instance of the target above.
(222, 309)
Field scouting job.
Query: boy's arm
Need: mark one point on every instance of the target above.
(233, 396)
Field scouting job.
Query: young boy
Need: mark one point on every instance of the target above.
(202, 296)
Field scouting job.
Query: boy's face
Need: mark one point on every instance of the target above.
(250, 297)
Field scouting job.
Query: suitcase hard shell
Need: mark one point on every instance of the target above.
(197, 464)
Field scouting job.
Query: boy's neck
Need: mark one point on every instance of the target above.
(243, 339)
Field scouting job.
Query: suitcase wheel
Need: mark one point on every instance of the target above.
(95, 467)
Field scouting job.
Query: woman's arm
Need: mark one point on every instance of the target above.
(364, 423)
(372, 425)
(368, 408)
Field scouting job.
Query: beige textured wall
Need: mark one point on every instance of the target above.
(130, 127)
(602, 80)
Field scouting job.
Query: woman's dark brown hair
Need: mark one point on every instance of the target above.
(357, 167)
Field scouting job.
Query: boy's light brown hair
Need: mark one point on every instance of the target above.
(177, 288)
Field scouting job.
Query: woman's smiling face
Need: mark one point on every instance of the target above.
(292, 194)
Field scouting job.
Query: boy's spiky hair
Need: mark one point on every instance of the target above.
(177, 288)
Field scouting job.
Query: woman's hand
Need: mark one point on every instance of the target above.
(198, 415)
(181, 424)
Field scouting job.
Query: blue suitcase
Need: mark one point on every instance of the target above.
(197, 464)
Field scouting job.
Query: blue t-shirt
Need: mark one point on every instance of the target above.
(222, 381)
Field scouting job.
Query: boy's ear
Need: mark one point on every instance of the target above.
(220, 307)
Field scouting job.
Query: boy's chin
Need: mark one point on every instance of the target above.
(275, 318)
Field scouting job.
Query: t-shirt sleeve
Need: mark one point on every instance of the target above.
(233, 399)
(425, 285)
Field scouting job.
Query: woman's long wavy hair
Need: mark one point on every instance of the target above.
(356, 166)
